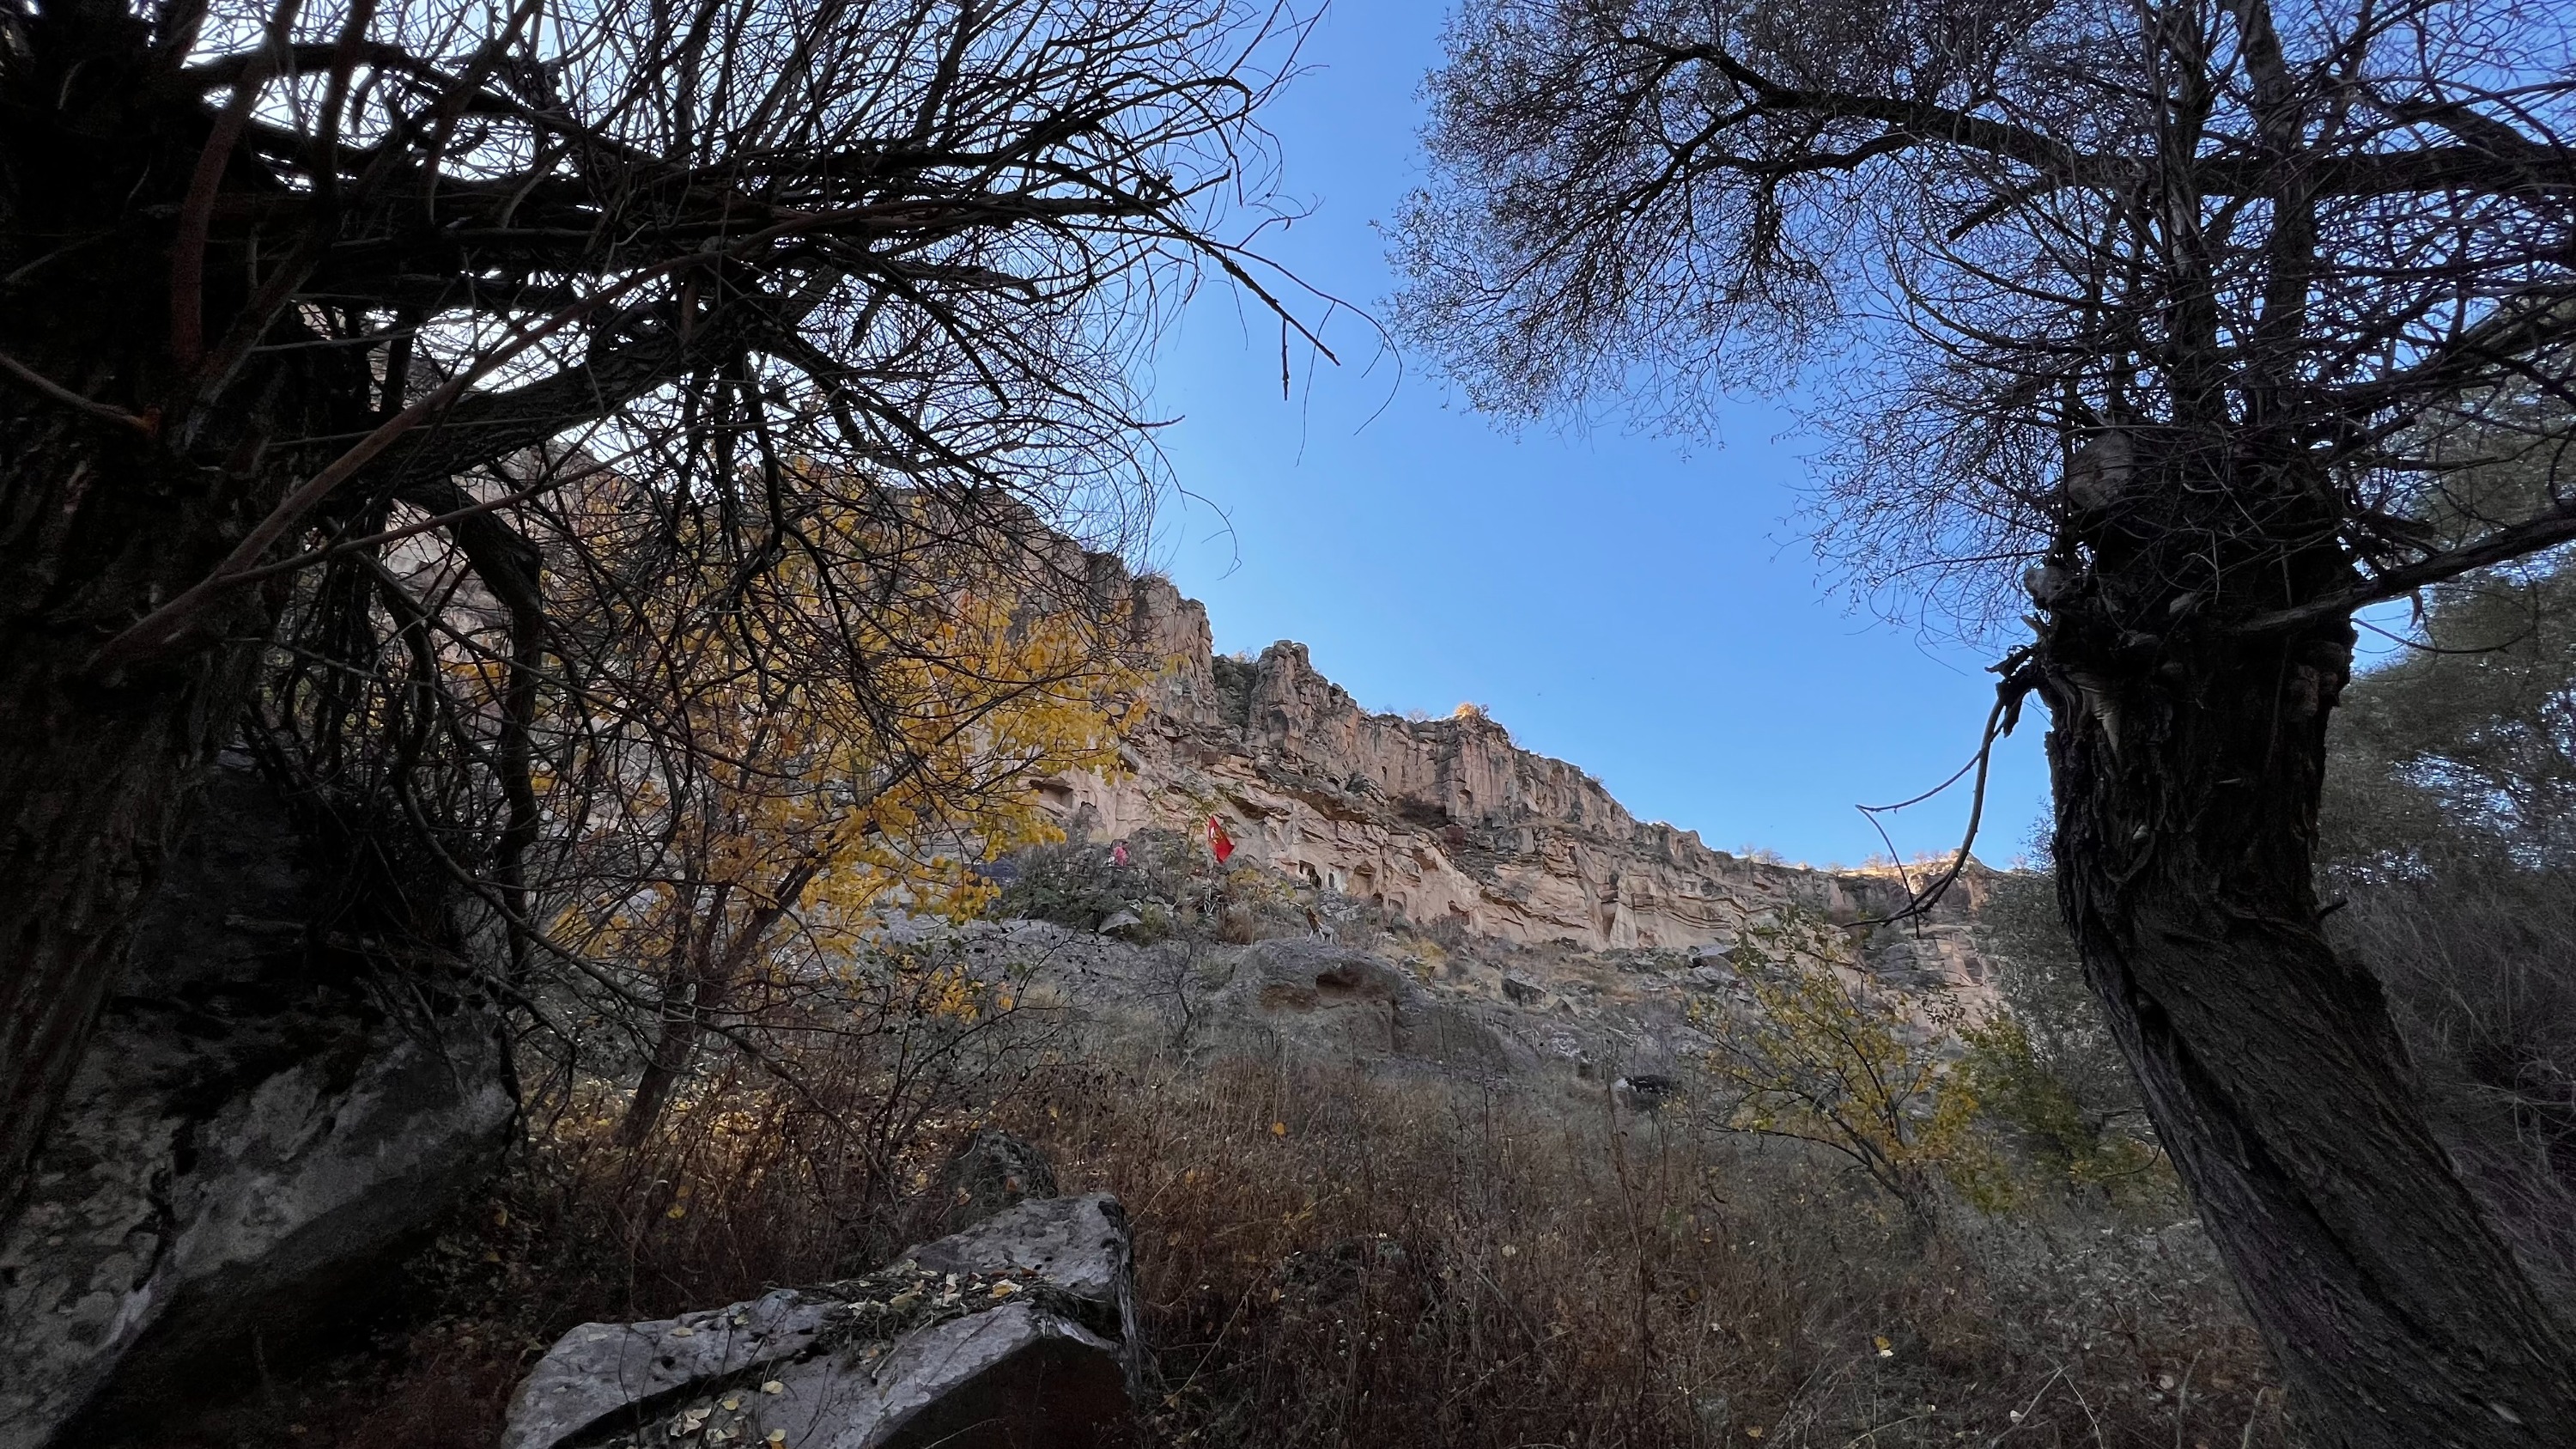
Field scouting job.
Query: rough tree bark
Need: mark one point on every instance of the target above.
(101, 518)
(2187, 772)
(92, 777)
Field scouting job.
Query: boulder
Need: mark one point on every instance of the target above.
(1018, 1333)
(262, 1124)
(1523, 992)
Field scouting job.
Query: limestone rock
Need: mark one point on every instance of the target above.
(1019, 1332)
(1446, 820)
(250, 1139)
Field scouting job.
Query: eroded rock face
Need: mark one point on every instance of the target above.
(1448, 820)
(253, 1135)
(1019, 1332)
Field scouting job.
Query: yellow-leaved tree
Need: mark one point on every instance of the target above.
(857, 744)
(1821, 1054)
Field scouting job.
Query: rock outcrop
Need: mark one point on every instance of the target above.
(255, 1133)
(1446, 820)
(1019, 1333)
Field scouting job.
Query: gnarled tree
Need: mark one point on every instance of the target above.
(327, 327)
(2162, 310)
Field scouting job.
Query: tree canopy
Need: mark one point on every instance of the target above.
(2326, 229)
(414, 391)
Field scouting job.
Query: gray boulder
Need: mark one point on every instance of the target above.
(254, 1135)
(1019, 1333)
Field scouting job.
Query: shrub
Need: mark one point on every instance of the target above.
(1849, 1066)
(2475, 954)
(2041, 980)
(1333, 1258)
(2072, 1149)
(1080, 884)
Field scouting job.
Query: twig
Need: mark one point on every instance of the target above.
(2022, 1418)
(45, 386)
(168, 626)
(2246, 1439)
(197, 210)
(2020, 677)
(2182, 1396)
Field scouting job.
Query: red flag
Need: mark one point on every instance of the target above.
(1218, 841)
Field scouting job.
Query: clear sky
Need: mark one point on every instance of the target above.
(1644, 609)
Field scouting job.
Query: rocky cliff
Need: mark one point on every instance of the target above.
(1446, 819)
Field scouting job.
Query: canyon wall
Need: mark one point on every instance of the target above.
(1447, 819)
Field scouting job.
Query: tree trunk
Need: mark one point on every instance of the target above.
(675, 1040)
(104, 515)
(690, 1001)
(2187, 772)
(92, 778)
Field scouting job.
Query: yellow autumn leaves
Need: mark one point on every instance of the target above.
(780, 747)
(856, 742)
(1852, 1066)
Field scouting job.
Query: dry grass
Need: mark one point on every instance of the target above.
(2475, 955)
(1330, 1258)
(1335, 1259)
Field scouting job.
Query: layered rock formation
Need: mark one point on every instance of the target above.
(1447, 820)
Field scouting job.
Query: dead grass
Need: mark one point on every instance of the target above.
(1332, 1259)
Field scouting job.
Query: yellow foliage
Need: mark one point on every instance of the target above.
(841, 758)
(2074, 1151)
(1852, 1067)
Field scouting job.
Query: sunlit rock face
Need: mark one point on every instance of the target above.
(1447, 819)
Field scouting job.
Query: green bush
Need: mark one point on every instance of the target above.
(1080, 884)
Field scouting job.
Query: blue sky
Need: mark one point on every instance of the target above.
(1645, 610)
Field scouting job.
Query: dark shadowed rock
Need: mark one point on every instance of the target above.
(1646, 1091)
(1019, 1333)
(258, 1129)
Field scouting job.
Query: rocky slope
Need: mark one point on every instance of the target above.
(1447, 820)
